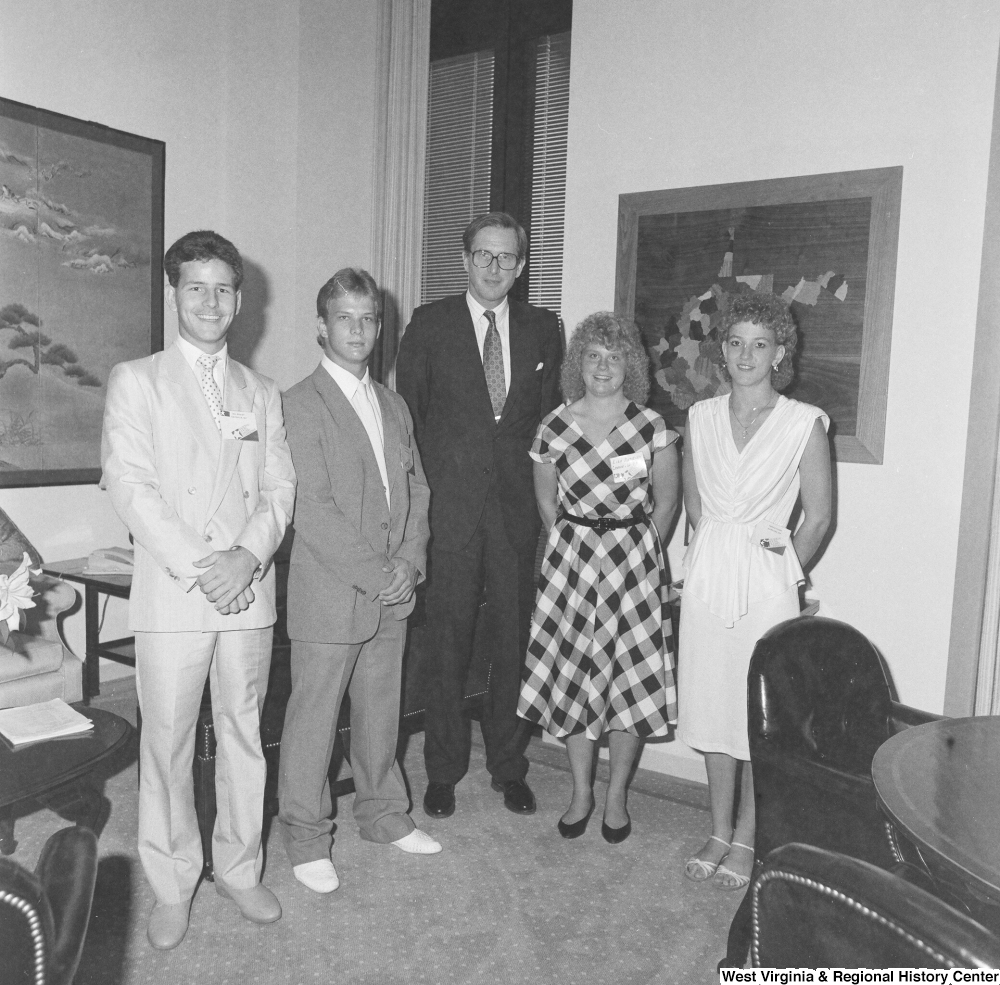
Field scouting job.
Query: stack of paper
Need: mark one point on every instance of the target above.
(45, 720)
(110, 561)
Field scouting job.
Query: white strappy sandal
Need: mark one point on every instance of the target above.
(698, 870)
(739, 881)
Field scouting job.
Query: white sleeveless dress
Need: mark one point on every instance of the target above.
(734, 589)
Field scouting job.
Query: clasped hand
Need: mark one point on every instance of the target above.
(226, 582)
(404, 580)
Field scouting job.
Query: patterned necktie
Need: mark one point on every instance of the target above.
(493, 365)
(210, 388)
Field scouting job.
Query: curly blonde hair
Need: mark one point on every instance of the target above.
(605, 328)
(768, 311)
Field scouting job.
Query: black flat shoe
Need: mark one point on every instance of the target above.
(517, 796)
(439, 800)
(615, 836)
(577, 828)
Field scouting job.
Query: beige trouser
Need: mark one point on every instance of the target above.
(170, 676)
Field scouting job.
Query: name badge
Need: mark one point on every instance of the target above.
(627, 467)
(772, 536)
(238, 425)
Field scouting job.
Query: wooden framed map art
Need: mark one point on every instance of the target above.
(826, 243)
(81, 251)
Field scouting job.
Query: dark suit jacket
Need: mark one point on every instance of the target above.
(344, 529)
(439, 373)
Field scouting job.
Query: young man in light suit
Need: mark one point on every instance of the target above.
(197, 467)
(359, 550)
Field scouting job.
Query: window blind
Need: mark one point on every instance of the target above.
(548, 184)
(457, 178)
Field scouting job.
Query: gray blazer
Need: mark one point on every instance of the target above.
(344, 530)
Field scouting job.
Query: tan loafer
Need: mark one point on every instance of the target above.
(258, 905)
(168, 923)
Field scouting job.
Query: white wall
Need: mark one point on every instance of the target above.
(689, 93)
(267, 111)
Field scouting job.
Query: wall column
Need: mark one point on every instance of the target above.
(404, 33)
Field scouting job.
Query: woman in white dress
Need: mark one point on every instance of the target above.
(749, 454)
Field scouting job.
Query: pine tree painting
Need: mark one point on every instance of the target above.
(80, 250)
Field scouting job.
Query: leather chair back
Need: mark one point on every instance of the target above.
(818, 909)
(44, 915)
(819, 707)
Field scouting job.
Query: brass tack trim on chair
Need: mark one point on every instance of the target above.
(35, 924)
(897, 852)
(843, 898)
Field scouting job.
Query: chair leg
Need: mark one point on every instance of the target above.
(7, 842)
(740, 933)
(205, 809)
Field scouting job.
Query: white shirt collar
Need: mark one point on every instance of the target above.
(344, 378)
(191, 354)
(477, 309)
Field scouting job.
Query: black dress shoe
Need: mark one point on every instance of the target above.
(517, 796)
(576, 828)
(614, 836)
(439, 800)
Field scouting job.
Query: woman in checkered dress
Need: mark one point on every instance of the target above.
(600, 656)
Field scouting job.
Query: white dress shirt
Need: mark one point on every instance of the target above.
(192, 354)
(367, 409)
(502, 314)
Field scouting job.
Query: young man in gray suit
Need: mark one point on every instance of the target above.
(359, 551)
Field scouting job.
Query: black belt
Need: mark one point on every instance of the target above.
(605, 523)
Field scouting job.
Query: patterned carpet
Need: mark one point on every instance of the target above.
(508, 901)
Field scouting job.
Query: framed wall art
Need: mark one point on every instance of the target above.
(81, 252)
(827, 243)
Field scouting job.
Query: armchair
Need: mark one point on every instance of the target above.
(819, 909)
(819, 706)
(44, 915)
(35, 665)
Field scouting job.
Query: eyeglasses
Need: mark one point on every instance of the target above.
(506, 261)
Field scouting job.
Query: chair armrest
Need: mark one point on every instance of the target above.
(67, 870)
(815, 905)
(904, 716)
(52, 597)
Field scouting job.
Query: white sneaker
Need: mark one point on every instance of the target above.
(418, 842)
(319, 876)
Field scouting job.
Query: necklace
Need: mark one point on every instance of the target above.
(746, 427)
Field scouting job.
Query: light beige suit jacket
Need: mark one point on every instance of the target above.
(184, 492)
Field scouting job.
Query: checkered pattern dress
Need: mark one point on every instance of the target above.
(601, 650)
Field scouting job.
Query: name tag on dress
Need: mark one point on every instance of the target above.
(238, 425)
(771, 536)
(627, 467)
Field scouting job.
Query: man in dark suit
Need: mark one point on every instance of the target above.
(479, 372)
(359, 551)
